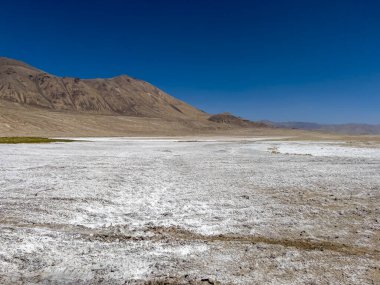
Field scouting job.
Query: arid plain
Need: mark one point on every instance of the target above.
(258, 210)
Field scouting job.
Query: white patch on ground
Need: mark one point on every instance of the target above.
(174, 139)
(85, 212)
(335, 149)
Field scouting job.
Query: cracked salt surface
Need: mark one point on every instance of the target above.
(114, 209)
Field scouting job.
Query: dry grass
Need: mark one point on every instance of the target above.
(16, 140)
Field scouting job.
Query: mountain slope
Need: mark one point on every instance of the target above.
(33, 102)
(122, 95)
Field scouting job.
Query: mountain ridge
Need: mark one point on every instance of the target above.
(122, 95)
(347, 128)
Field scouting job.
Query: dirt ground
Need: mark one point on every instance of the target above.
(266, 210)
(24, 120)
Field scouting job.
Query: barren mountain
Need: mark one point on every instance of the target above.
(229, 119)
(122, 95)
(34, 102)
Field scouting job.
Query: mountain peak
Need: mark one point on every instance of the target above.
(10, 62)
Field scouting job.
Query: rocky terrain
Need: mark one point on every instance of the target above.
(229, 119)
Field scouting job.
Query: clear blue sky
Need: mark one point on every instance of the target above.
(279, 60)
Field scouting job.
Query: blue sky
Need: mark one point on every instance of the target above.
(279, 60)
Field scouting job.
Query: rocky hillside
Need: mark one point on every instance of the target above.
(229, 119)
(122, 95)
(34, 102)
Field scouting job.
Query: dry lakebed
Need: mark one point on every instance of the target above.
(178, 211)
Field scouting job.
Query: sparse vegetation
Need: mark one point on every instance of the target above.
(16, 140)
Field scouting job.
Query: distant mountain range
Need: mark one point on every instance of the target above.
(354, 129)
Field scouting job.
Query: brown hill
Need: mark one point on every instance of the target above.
(33, 102)
(229, 119)
(122, 95)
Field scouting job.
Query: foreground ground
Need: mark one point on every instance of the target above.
(117, 211)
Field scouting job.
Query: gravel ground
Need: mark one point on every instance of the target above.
(118, 211)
